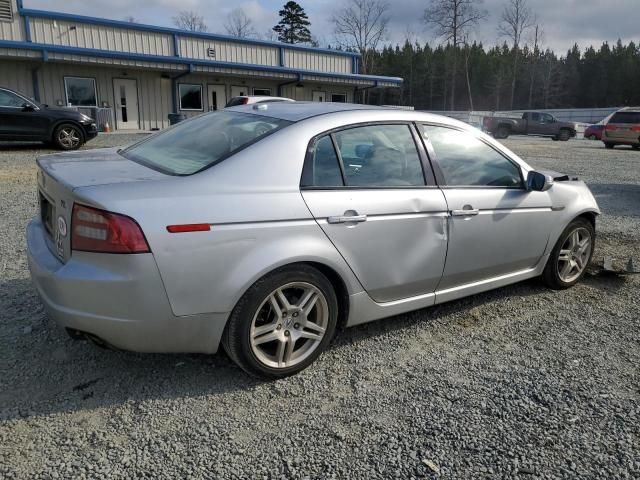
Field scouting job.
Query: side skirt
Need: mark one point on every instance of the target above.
(363, 309)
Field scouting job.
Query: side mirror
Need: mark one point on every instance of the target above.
(27, 107)
(538, 182)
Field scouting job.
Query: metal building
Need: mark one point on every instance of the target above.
(137, 74)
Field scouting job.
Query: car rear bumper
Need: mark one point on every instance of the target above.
(118, 298)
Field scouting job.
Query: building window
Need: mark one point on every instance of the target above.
(190, 96)
(264, 92)
(339, 97)
(81, 92)
(6, 12)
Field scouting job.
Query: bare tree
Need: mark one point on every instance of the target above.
(537, 41)
(452, 20)
(190, 20)
(515, 20)
(361, 25)
(239, 24)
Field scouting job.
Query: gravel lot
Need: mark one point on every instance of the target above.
(521, 382)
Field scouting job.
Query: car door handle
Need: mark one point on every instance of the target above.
(347, 219)
(465, 212)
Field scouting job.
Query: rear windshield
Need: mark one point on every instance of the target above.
(626, 117)
(196, 144)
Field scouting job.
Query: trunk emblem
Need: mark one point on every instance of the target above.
(62, 227)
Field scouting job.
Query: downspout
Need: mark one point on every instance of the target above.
(174, 87)
(298, 80)
(35, 80)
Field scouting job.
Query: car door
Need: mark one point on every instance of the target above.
(534, 124)
(496, 226)
(20, 118)
(366, 187)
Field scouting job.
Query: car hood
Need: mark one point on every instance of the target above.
(102, 166)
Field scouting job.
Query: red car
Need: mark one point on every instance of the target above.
(594, 132)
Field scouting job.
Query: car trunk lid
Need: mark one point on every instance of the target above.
(60, 175)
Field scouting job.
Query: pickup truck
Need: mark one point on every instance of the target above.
(531, 123)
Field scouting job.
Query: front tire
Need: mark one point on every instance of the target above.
(571, 255)
(67, 137)
(564, 135)
(282, 323)
(609, 146)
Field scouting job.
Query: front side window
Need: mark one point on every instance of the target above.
(81, 92)
(379, 156)
(196, 144)
(9, 99)
(546, 118)
(467, 161)
(190, 96)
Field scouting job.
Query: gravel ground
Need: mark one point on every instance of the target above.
(520, 382)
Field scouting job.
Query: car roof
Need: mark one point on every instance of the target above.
(297, 111)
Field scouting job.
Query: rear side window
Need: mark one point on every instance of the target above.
(379, 156)
(196, 144)
(467, 161)
(625, 117)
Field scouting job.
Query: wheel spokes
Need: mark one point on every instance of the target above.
(307, 302)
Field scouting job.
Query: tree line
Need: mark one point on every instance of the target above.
(458, 72)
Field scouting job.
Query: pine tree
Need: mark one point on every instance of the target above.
(293, 26)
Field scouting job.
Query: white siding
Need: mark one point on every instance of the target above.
(323, 62)
(196, 48)
(100, 37)
(12, 30)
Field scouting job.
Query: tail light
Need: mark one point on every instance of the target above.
(95, 230)
(610, 127)
(245, 100)
(635, 128)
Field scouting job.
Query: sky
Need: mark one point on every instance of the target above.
(564, 22)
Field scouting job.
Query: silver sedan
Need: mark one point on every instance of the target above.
(267, 228)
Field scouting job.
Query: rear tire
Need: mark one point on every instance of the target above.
(273, 332)
(608, 145)
(571, 255)
(68, 137)
(635, 147)
(564, 135)
(503, 132)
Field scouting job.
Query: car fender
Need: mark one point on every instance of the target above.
(569, 200)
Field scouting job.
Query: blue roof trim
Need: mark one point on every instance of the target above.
(189, 61)
(184, 33)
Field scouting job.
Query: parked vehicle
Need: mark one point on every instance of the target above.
(623, 128)
(531, 123)
(22, 120)
(594, 132)
(266, 228)
(251, 99)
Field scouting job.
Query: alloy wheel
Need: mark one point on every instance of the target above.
(574, 255)
(289, 325)
(69, 137)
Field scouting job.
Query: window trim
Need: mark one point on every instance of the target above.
(19, 96)
(427, 173)
(201, 109)
(95, 90)
(438, 171)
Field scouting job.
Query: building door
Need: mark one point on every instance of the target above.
(238, 91)
(319, 96)
(217, 95)
(125, 91)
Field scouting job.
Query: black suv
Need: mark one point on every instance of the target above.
(22, 119)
